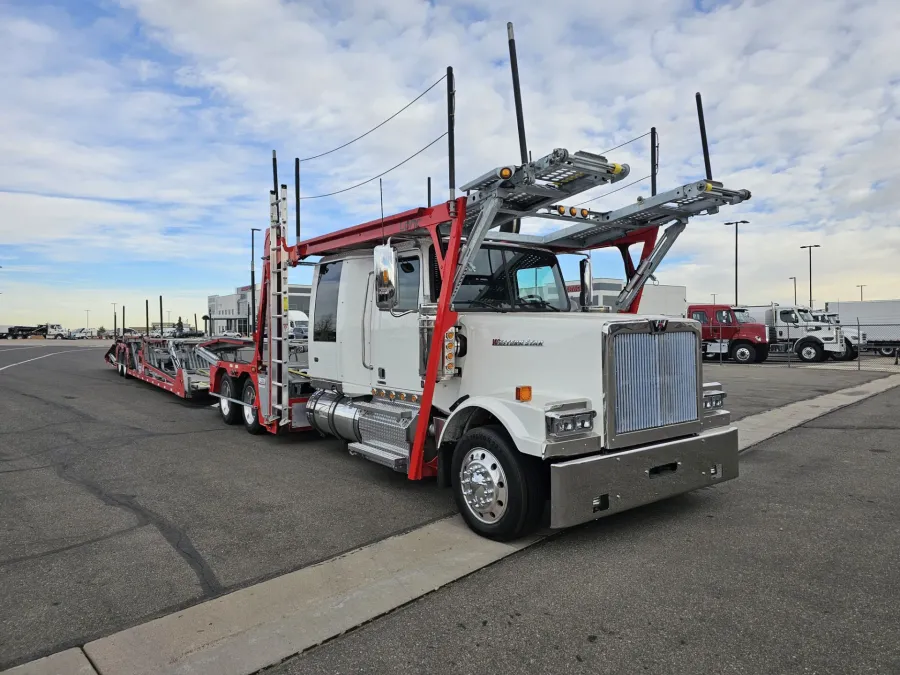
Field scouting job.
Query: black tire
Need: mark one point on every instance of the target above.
(250, 415)
(810, 352)
(849, 354)
(231, 413)
(743, 352)
(520, 481)
(886, 351)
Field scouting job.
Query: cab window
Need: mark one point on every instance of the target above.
(701, 317)
(723, 316)
(408, 281)
(789, 316)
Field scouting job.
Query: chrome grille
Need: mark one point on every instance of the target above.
(656, 379)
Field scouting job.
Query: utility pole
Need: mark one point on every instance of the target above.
(736, 223)
(795, 288)
(810, 247)
(87, 314)
(253, 231)
(714, 297)
(115, 319)
(860, 287)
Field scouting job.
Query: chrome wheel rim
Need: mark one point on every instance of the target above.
(808, 353)
(224, 405)
(250, 409)
(483, 484)
(742, 354)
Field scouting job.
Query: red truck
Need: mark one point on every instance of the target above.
(729, 333)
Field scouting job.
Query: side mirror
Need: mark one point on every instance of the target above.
(385, 277)
(586, 296)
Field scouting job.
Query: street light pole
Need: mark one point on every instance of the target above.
(736, 223)
(253, 231)
(714, 297)
(87, 314)
(810, 247)
(860, 287)
(115, 320)
(795, 288)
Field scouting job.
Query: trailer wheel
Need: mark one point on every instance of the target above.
(250, 412)
(498, 491)
(886, 351)
(229, 410)
(743, 352)
(811, 352)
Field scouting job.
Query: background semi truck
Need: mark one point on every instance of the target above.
(793, 329)
(730, 334)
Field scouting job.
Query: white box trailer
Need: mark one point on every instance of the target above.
(665, 300)
(877, 320)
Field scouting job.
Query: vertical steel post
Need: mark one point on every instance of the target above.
(297, 195)
(735, 264)
(451, 140)
(160, 317)
(147, 316)
(703, 140)
(810, 278)
(654, 161)
(429, 191)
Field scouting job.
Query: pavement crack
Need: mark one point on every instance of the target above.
(176, 538)
(63, 549)
(28, 468)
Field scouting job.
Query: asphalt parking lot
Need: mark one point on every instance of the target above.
(119, 503)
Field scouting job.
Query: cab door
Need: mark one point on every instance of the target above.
(725, 323)
(394, 335)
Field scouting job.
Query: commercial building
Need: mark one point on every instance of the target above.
(232, 312)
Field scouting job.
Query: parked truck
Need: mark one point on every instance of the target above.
(793, 329)
(878, 320)
(51, 331)
(730, 334)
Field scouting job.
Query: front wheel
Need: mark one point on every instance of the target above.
(811, 352)
(743, 353)
(230, 412)
(848, 354)
(251, 412)
(499, 492)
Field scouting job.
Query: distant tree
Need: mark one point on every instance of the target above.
(101, 331)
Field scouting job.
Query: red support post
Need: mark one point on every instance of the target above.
(443, 320)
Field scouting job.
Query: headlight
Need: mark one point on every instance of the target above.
(559, 424)
(713, 400)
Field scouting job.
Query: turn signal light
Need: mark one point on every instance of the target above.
(584, 213)
(505, 172)
(573, 211)
(523, 393)
(561, 210)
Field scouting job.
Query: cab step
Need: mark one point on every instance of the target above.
(388, 455)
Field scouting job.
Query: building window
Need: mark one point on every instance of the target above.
(327, 285)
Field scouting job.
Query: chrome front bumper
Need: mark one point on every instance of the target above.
(593, 487)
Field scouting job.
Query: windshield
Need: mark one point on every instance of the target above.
(743, 316)
(805, 315)
(511, 279)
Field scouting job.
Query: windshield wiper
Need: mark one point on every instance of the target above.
(482, 303)
(537, 302)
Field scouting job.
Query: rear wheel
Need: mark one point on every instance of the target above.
(743, 353)
(886, 351)
(811, 352)
(849, 354)
(230, 412)
(250, 412)
(499, 491)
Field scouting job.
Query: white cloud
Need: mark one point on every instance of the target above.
(801, 101)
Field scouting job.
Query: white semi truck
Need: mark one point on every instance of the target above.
(792, 328)
(442, 344)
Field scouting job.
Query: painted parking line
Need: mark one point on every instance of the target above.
(37, 358)
(259, 626)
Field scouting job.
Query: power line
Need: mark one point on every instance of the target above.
(353, 187)
(636, 138)
(378, 126)
(606, 194)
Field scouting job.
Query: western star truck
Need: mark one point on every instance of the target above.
(793, 329)
(730, 334)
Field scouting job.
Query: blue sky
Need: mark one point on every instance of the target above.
(135, 136)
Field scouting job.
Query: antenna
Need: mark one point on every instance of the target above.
(654, 161)
(703, 137)
(297, 193)
(515, 225)
(275, 186)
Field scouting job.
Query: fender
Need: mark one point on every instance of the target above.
(523, 421)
